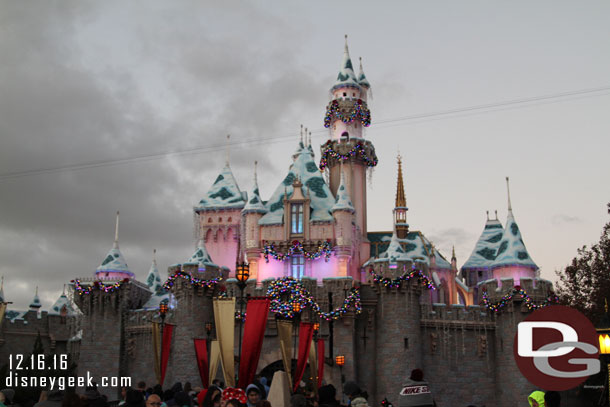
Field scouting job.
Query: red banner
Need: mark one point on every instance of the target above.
(201, 352)
(254, 332)
(320, 362)
(166, 344)
(305, 336)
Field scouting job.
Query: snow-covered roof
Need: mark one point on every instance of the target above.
(224, 193)
(35, 301)
(321, 199)
(362, 78)
(13, 315)
(255, 203)
(153, 280)
(114, 261)
(346, 76)
(416, 247)
(61, 302)
(511, 250)
(155, 300)
(484, 252)
(201, 256)
(394, 252)
(343, 201)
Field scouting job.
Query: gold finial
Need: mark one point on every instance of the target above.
(487, 214)
(401, 201)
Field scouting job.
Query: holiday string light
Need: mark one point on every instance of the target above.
(324, 249)
(518, 292)
(395, 283)
(285, 292)
(359, 111)
(328, 152)
(97, 285)
(240, 316)
(192, 280)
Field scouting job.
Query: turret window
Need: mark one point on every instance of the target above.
(297, 266)
(296, 216)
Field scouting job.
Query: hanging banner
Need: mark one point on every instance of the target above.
(313, 367)
(305, 336)
(254, 332)
(320, 362)
(284, 331)
(156, 342)
(214, 359)
(224, 317)
(201, 352)
(168, 329)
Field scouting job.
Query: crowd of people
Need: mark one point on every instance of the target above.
(415, 393)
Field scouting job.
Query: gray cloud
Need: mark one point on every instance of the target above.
(561, 219)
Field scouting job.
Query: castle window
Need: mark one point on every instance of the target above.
(229, 220)
(297, 266)
(209, 220)
(344, 94)
(354, 94)
(296, 218)
(219, 219)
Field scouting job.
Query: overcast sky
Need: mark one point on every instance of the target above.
(86, 82)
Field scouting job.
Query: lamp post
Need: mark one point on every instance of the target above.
(340, 361)
(296, 308)
(603, 332)
(163, 309)
(242, 272)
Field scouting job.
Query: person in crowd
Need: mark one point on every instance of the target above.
(142, 388)
(212, 394)
(134, 398)
(182, 399)
(154, 401)
(8, 396)
(53, 399)
(254, 394)
(354, 394)
(123, 396)
(298, 400)
(416, 391)
(2, 400)
(327, 396)
(218, 383)
(263, 381)
(93, 398)
(552, 399)
(536, 399)
(233, 397)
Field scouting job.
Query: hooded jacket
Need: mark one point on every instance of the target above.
(537, 396)
(415, 393)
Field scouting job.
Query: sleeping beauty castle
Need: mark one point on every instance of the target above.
(362, 305)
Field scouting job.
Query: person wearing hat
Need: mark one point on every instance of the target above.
(254, 394)
(354, 394)
(233, 396)
(415, 391)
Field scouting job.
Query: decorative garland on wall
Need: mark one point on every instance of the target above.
(517, 291)
(394, 283)
(298, 294)
(328, 152)
(358, 112)
(323, 249)
(192, 280)
(97, 285)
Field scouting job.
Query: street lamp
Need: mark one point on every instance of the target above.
(242, 272)
(603, 332)
(163, 309)
(340, 361)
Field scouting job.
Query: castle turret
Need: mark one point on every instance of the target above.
(62, 306)
(400, 208)
(346, 115)
(219, 213)
(343, 212)
(363, 82)
(512, 259)
(251, 214)
(477, 267)
(153, 280)
(35, 304)
(114, 265)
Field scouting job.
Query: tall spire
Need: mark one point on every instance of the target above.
(346, 76)
(510, 207)
(362, 78)
(401, 201)
(228, 148)
(255, 203)
(116, 232)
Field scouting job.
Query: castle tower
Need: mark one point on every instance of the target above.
(346, 115)
(114, 265)
(251, 214)
(35, 304)
(400, 208)
(153, 280)
(477, 267)
(512, 259)
(343, 212)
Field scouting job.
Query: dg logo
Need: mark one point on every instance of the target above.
(556, 348)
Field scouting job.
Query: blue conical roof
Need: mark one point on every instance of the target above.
(346, 76)
(362, 78)
(153, 280)
(343, 201)
(511, 250)
(62, 302)
(255, 203)
(224, 193)
(36, 301)
(201, 256)
(484, 252)
(114, 262)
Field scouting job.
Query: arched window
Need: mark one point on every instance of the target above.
(219, 220)
(209, 220)
(297, 266)
(296, 216)
(229, 220)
